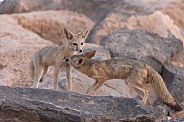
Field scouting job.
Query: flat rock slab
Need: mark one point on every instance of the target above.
(41, 105)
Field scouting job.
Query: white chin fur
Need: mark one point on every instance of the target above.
(74, 49)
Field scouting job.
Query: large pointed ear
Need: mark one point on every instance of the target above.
(90, 54)
(69, 35)
(84, 34)
(78, 61)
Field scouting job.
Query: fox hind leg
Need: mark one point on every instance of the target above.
(46, 68)
(137, 79)
(145, 91)
(37, 76)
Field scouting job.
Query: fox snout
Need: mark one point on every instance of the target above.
(80, 51)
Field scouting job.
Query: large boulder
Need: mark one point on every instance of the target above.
(138, 15)
(51, 27)
(142, 45)
(116, 18)
(17, 46)
(19, 104)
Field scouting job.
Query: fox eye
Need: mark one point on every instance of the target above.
(82, 43)
(75, 44)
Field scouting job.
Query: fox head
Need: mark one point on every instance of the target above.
(78, 60)
(75, 42)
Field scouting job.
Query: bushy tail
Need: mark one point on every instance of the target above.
(31, 67)
(158, 85)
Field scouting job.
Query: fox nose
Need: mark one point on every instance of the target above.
(80, 51)
(66, 59)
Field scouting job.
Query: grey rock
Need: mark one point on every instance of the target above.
(175, 120)
(142, 45)
(179, 58)
(89, 8)
(174, 78)
(43, 105)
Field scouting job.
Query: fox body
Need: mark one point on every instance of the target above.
(135, 72)
(49, 56)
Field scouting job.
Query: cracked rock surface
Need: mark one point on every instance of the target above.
(40, 105)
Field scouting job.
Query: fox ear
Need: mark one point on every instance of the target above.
(90, 54)
(84, 34)
(79, 61)
(69, 35)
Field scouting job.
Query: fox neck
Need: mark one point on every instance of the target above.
(84, 68)
(69, 51)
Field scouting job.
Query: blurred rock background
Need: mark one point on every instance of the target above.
(151, 31)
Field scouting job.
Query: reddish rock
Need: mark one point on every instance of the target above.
(17, 45)
(51, 27)
(175, 9)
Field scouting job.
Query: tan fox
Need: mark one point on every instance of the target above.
(48, 56)
(135, 72)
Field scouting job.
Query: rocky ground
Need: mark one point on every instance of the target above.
(151, 31)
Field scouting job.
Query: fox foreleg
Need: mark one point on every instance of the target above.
(100, 82)
(56, 76)
(92, 87)
(69, 77)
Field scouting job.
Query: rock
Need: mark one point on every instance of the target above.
(174, 76)
(48, 105)
(175, 9)
(142, 45)
(175, 120)
(81, 6)
(137, 16)
(178, 59)
(116, 19)
(17, 46)
(157, 22)
(155, 4)
(20, 6)
(51, 27)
